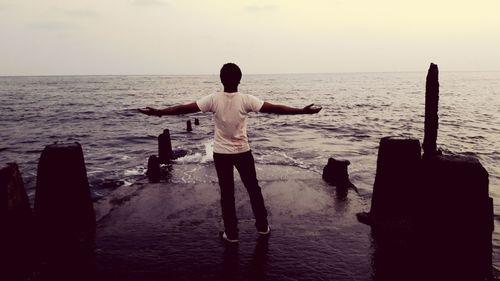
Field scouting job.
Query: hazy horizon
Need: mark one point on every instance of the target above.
(216, 74)
(193, 37)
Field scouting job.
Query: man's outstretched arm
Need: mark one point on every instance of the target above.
(173, 110)
(283, 109)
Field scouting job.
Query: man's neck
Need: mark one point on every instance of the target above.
(230, 89)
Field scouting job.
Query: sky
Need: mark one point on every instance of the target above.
(170, 37)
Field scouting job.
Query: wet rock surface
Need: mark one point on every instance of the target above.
(169, 231)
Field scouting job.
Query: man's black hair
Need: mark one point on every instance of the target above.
(230, 74)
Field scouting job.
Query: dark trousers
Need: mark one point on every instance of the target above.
(245, 165)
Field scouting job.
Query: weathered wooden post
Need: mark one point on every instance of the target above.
(164, 147)
(63, 205)
(431, 112)
(17, 227)
(196, 121)
(153, 171)
(189, 128)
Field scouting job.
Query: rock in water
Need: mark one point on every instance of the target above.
(335, 173)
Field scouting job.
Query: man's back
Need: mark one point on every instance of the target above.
(230, 117)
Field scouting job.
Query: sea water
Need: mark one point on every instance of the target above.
(358, 109)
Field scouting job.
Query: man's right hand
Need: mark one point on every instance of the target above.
(311, 110)
(150, 111)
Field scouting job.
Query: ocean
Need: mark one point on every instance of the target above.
(358, 110)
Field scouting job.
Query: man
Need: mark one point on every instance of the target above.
(231, 148)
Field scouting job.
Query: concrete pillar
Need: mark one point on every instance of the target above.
(63, 205)
(196, 121)
(164, 147)
(457, 215)
(17, 230)
(396, 180)
(153, 171)
(189, 128)
(431, 112)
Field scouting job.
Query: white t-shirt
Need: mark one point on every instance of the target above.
(230, 117)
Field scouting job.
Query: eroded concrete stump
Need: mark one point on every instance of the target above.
(63, 205)
(445, 200)
(458, 214)
(336, 173)
(164, 147)
(397, 178)
(17, 253)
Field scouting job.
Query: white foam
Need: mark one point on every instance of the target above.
(199, 157)
(139, 170)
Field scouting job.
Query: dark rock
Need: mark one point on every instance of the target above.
(364, 217)
(189, 128)
(336, 173)
(196, 121)
(164, 147)
(112, 183)
(178, 153)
